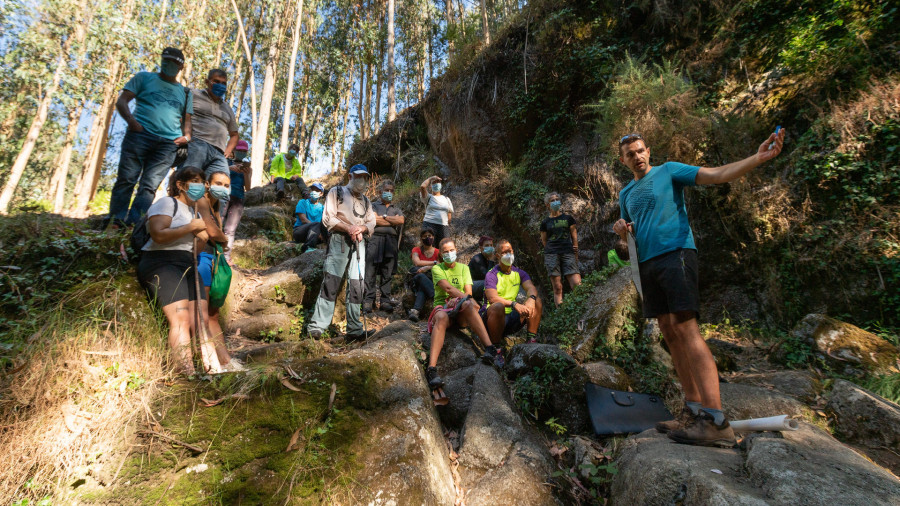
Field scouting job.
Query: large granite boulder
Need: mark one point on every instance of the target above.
(803, 467)
(607, 375)
(502, 459)
(741, 402)
(864, 417)
(523, 358)
(610, 313)
(844, 344)
(257, 220)
(803, 385)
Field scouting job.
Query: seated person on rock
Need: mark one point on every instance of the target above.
(308, 228)
(286, 167)
(424, 257)
(619, 255)
(210, 208)
(505, 314)
(480, 264)
(454, 306)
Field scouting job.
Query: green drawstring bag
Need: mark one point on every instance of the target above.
(221, 279)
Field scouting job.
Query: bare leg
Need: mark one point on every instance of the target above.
(682, 366)
(573, 279)
(216, 334)
(702, 365)
(180, 317)
(207, 348)
(438, 331)
(535, 321)
(496, 320)
(556, 281)
(469, 317)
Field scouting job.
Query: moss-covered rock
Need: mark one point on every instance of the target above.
(610, 314)
(845, 344)
(607, 375)
(381, 441)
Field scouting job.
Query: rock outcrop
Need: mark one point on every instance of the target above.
(864, 417)
(653, 470)
(612, 306)
(741, 402)
(844, 344)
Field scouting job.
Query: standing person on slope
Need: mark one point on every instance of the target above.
(560, 239)
(241, 174)
(349, 218)
(438, 208)
(652, 208)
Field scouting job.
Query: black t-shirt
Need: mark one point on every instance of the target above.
(559, 238)
(479, 267)
(381, 210)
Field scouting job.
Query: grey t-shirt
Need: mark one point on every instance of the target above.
(211, 121)
(183, 216)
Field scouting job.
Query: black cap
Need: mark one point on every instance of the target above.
(173, 53)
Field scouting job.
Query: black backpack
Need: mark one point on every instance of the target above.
(140, 234)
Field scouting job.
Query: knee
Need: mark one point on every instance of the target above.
(496, 309)
(538, 304)
(441, 320)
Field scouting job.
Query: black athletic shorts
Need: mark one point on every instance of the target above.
(168, 276)
(669, 282)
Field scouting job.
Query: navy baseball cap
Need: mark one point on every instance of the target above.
(359, 169)
(317, 186)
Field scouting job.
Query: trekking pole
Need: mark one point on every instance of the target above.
(361, 280)
(195, 340)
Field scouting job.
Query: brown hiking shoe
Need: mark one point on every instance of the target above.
(680, 421)
(703, 431)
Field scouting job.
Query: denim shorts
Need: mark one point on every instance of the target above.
(560, 262)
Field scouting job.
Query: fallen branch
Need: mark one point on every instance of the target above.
(195, 449)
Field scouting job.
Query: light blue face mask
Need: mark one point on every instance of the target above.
(556, 205)
(169, 67)
(220, 192)
(436, 188)
(387, 196)
(489, 250)
(292, 153)
(449, 257)
(196, 191)
(314, 196)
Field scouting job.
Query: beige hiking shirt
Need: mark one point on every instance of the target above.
(352, 211)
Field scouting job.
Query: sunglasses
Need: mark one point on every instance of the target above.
(630, 138)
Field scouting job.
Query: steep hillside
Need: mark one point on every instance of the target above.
(541, 107)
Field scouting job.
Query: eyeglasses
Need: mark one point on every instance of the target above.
(630, 138)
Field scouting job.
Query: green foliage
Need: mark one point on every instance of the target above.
(555, 427)
(635, 355)
(531, 391)
(887, 386)
(522, 193)
(558, 322)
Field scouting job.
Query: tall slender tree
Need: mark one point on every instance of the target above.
(392, 97)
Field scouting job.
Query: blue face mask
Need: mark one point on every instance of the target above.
(292, 154)
(489, 250)
(314, 196)
(555, 205)
(436, 188)
(449, 257)
(196, 191)
(387, 196)
(239, 155)
(220, 192)
(169, 67)
(219, 89)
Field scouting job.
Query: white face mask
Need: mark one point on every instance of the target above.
(507, 259)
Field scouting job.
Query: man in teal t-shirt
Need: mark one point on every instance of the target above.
(652, 208)
(161, 122)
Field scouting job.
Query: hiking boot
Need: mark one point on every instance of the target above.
(360, 336)
(315, 333)
(388, 305)
(279, 194)
(414, 315)
(493, 355)
(434, 381)
(703, 431)
(681, 420)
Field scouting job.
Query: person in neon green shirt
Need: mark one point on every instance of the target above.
(279, 173)
(452, 280)
(502, 284)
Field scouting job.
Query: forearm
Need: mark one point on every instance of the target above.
(232, 142)
(186, 129)
(727, 173)
(124, 112)
(167, 235)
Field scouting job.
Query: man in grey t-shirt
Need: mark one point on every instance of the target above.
(214, 126)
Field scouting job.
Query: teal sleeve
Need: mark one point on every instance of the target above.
(190, 103)
(683, 173)
(135, 84)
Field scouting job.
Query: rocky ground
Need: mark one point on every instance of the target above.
(354, 423)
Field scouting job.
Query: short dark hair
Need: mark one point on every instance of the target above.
(426, 230)
(294, 147)
(182, 175)
(446, 240)
(622, 250)
(630, 138)
(483, 239)
(216, 72)
(498, 245)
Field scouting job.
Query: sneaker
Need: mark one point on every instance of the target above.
(279, 194)
(414, 315)
(315, 333)
(703, 431)
(681, 420)
(499, 361)
(493, 355)
(434, 381)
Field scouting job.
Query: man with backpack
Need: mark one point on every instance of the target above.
(349, 218)
(161, 123)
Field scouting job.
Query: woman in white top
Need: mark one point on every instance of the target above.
(438, 208)
(166, 267)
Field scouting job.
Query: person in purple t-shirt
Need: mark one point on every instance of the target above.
(508, 309)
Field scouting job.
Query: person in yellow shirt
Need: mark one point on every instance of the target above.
(453, 288)
(507, 312)
(279, 172)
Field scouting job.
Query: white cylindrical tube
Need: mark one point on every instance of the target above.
(773, 423)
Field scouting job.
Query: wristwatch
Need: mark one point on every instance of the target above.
(532, 297)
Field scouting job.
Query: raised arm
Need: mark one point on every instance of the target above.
(736, 170)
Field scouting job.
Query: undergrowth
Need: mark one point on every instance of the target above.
(558, 322)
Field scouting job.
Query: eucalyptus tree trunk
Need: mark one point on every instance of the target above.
(250, 75)
(484, 24)
(261, 131)
(392, 104)
(289, 94)
(61, 174)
